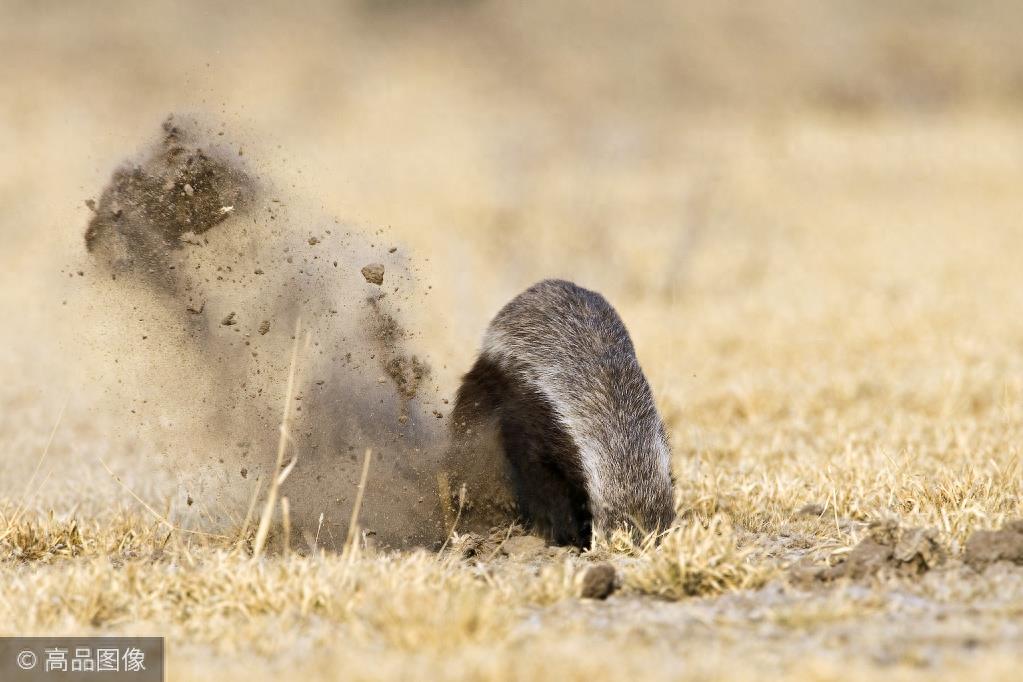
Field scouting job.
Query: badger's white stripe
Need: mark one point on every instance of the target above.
(542, 379)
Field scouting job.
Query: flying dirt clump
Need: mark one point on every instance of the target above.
(223, 276)
(374, 273)
(986, 547)
(148, 208)
(887, 547)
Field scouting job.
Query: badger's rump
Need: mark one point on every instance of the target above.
(571, 418)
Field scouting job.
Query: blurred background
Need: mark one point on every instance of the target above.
(776, 195)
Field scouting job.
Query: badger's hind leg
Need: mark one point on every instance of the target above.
(545, 468)
(515, 458)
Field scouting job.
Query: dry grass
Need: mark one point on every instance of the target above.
(814, 241)
(694, 559)
(498, 619)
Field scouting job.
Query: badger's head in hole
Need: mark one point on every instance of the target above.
(624, 451)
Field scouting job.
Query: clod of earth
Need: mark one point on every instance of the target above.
(986, 547)
(264, 327)
(407, 373)
(599, 582)
(374, 273)
(888, 546)
(523, 546)
(149, 206)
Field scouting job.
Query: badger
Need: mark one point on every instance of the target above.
(555, 422)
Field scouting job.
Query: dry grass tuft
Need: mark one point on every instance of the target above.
(697, 559)
(42, 541)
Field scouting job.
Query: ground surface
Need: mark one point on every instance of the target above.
(811, 228)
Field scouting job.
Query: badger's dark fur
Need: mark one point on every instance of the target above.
(557, 411)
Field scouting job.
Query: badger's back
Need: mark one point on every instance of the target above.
(558, 384)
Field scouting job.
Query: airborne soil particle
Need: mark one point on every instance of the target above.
(407, 373)
(149, 207)
(206, 256)
(374, 273)
(405, 370)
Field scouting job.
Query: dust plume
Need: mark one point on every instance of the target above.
(207, 277)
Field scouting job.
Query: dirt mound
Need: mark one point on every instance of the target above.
(214, 278)
(887, 547)
(986, 547)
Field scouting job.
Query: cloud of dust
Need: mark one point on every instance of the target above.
(205, 272)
